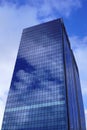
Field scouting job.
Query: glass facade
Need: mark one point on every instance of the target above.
(76, 116)
(42, 95)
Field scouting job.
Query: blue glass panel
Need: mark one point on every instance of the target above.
(37, 97)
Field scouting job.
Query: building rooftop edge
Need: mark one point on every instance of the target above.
(58, 19)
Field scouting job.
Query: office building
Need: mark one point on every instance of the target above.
(45, 92)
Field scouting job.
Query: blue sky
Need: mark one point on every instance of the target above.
(18, 14)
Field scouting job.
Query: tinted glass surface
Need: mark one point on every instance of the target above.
(37, 97)
(73, 88)
(79, 99)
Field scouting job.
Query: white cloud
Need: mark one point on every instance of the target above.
(63, 7)
(47, 8)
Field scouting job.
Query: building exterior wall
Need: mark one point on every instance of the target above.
(79, 99)
(73, 88)
(37, 97)
(43, 93)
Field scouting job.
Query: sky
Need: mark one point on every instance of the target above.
(18, 14)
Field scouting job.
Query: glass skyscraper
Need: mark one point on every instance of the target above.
(45, 92)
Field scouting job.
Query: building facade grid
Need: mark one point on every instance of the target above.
(45, 88)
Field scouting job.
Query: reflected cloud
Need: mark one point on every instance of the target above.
(38, 81)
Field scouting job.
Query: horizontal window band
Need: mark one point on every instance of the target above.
(35, 106)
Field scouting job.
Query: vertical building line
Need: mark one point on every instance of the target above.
(76, 91)
(62, 25)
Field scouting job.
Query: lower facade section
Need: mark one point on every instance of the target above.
(48, 116)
